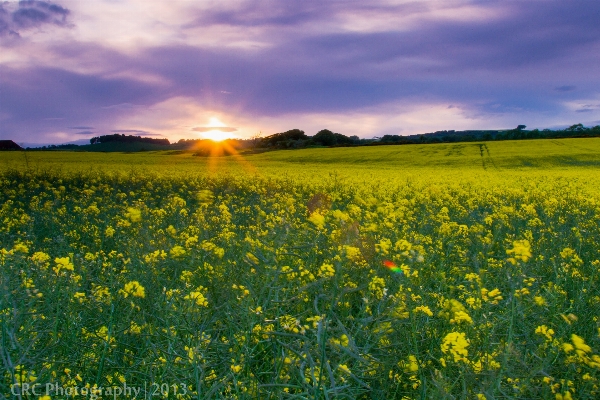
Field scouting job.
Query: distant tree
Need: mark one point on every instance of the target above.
(325, 137)
(281, 139)
(534, 134)
(127, 139)
(517, 133)
(255, 139)
(576, 128)
(390, 138)
(343, 139)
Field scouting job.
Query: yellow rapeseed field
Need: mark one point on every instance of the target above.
(465, 270)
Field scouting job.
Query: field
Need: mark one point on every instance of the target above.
(467, 270)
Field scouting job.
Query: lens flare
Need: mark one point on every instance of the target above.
(392, 266)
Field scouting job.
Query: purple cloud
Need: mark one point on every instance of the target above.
(517, 58)
(214, 128)
(15, 17)
(565, 88)
(135, 131)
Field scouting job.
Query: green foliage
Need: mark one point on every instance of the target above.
(249, 280)
(127, 139)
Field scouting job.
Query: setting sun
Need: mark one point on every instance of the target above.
(216, 135)
(215, 130)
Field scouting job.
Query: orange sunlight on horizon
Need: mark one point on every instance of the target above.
(216, 135)
(218, 148)
(219, 133)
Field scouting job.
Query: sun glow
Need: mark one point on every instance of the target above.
(216, 135)
(220, 131)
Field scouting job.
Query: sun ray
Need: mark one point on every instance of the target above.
(216, 135)
(214, 150)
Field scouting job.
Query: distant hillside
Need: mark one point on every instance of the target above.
(115, 143)
(116, 138)
(577, 130)
(297, 139)
(123, 146)
(9, 145)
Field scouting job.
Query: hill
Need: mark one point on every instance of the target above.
(9, 145)
(503, 157)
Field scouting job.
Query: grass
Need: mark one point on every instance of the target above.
(503, 155)
(423, 271)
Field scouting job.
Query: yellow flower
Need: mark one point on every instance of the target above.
(134, 289)
(21, 248)
(567, 347)
(461, 316)
(289, 323)
(177, 252)
(486, 361)
(317, 219)
(133, 214)
(314, 320)
(455, 344)
(135, 328)
(579, 344)
(377, 287)
(326, 271)
(493, 296)
(100, 293)
(171, 230)
(569, 318)
(411, 366)
(565, 396)
(39, 257)
(521, 251)
(521, 292)
(198, 298)
(342, 341)
(424, 309)
(344, 368)
(383, 247)
(155, 256)
(109, 232)
(455, 312)
(79, 296)
(545, 331)
(205, 197)
(251, 258)
(539, 300)
(63, 263)
(352, 253)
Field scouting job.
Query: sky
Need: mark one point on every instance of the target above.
(74, 69)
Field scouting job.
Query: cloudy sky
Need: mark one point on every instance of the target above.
(73, 69)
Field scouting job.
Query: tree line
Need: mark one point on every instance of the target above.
(519, 133)
(122, 138)
(297, 138)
